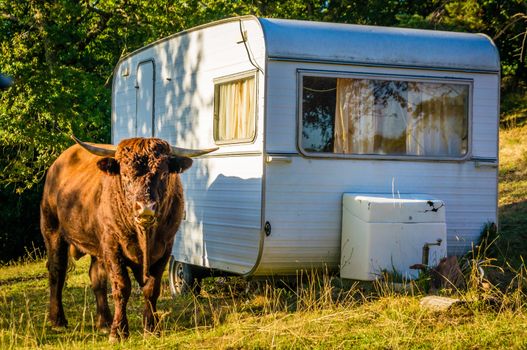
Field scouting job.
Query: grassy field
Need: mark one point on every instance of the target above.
(513, 194)
(317, 313)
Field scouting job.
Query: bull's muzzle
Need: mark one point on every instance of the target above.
(145, 213)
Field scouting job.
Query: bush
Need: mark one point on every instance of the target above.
(19, 222)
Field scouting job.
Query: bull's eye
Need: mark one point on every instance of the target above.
(141, 166)
(141, 172)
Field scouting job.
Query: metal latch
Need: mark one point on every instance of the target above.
(278, 159)
(481, 162)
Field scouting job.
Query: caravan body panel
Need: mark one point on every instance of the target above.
(265, 206)
(303, 198)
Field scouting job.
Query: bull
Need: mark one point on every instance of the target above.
(122, 205)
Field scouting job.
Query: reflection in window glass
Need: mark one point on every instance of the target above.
(234, 110)
(318, 107)
(383, 117)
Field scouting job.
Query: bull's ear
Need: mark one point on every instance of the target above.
(179, 164)
(109, 165)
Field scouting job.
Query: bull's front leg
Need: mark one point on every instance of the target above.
(151, 291)
(99, 283)
(121, 289)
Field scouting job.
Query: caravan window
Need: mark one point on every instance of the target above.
(234, 109)
(392, 118)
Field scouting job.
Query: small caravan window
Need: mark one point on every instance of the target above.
(234, 109)
(357, 116)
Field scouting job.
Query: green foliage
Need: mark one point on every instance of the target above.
(451, 15)
(469, 15)
(19, 225)
(62, 54)
(503, 21)
(59, 88)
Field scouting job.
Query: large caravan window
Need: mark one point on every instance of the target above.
(357, 116)
(234, 110)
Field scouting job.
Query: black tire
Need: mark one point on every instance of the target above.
(183, 279)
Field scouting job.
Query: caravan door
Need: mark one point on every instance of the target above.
(145, 90)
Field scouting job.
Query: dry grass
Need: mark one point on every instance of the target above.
(513, 166)
(314, 313)
(512, 243)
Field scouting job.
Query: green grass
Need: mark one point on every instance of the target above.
(315, 314)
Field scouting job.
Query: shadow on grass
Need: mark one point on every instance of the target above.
(24, 312)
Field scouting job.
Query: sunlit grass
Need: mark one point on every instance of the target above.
(513, 166)
(513, 195)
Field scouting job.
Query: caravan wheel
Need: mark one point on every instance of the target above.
(182, 279)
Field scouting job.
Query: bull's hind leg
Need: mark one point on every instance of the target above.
(57, 265)
(99, 284)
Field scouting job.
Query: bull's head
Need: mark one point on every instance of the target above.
(144, 165)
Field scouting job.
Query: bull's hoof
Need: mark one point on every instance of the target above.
(116, 336)
(57, 318)
(59, 324)
(114, 339)
(59, 329)
(150, 323)
(151, 333)
(104, 326)
(150, 327)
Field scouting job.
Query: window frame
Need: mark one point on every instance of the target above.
(230, 79)
(301, 73)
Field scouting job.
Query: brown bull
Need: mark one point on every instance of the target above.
(122, 206)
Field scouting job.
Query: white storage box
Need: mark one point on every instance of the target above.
(381, 232)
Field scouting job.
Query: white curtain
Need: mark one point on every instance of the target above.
(236, 118)
(354, 122)
(382, 117)
(436, 120)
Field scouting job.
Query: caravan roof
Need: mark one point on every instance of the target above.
(372, 45)
(298, 40)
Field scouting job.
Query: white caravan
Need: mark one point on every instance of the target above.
(303, 113)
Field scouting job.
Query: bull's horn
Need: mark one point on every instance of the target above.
(187, 152)
(98, 151)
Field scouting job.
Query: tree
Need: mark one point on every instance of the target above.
(61, 54)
